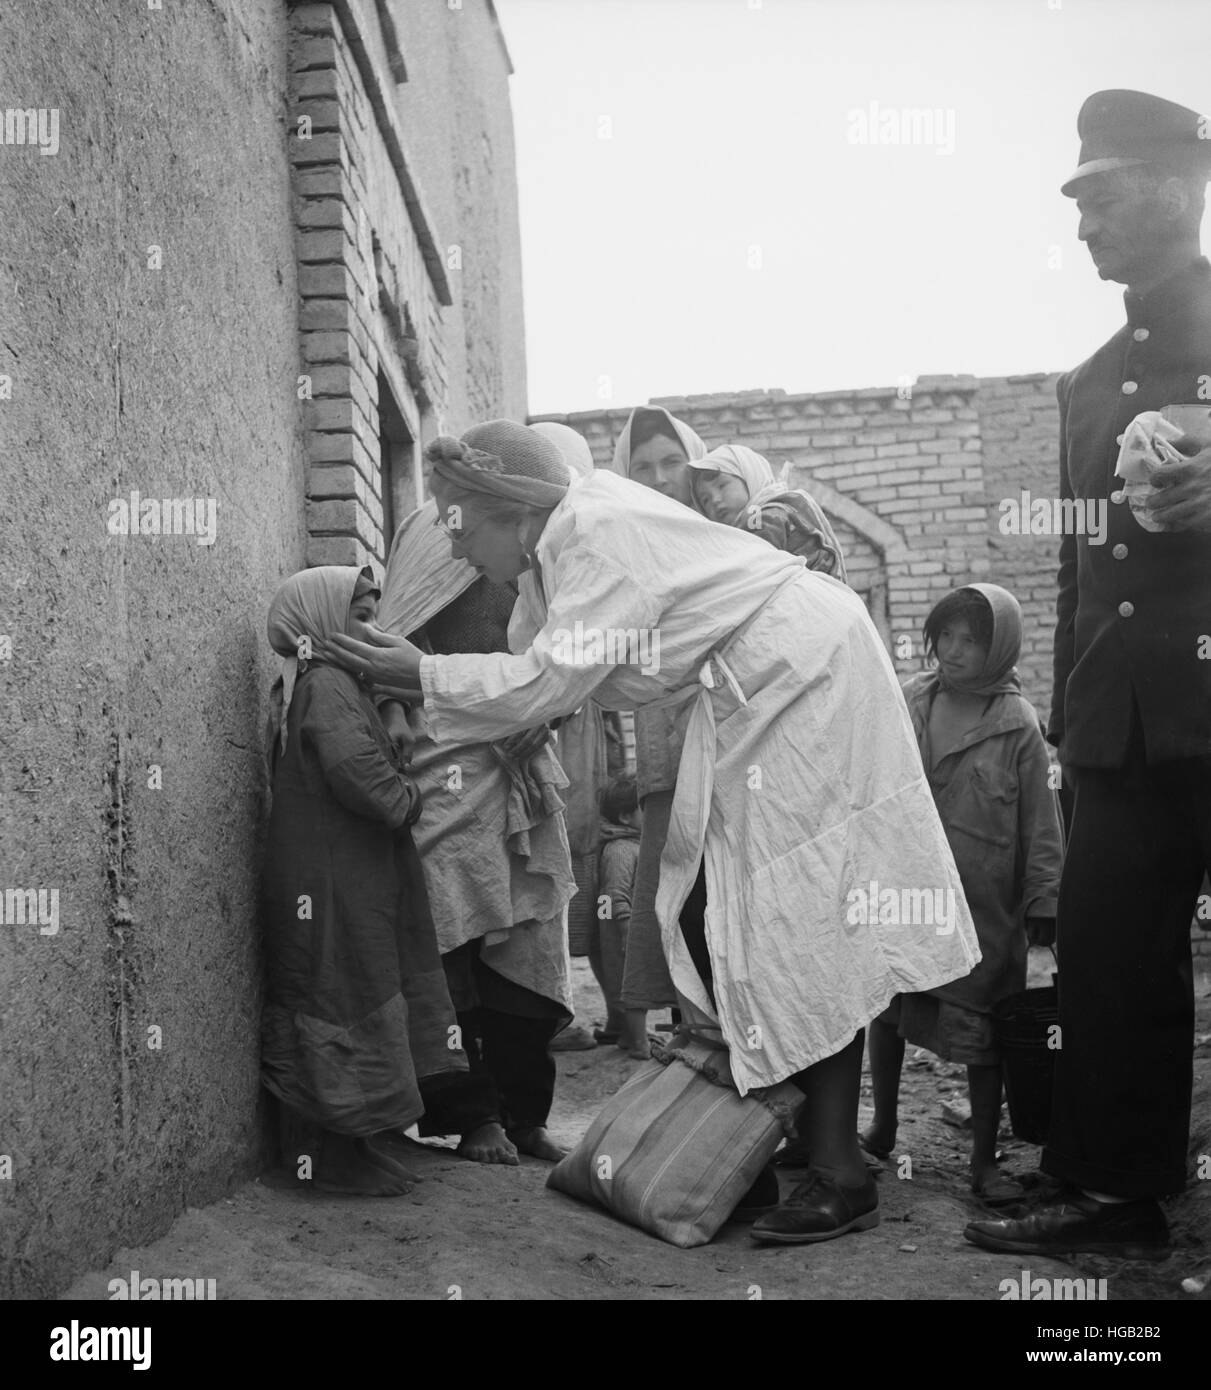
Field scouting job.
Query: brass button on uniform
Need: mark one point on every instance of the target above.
(1140, 335)
(1129, 388)
(1119, 552)
(1125, 610)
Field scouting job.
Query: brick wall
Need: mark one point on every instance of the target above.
(1019, 431)
(408, 315)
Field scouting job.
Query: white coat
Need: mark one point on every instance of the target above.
(801, 782)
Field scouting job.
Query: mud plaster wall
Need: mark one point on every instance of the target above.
(137, 650)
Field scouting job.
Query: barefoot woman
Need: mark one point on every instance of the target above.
(800, 780)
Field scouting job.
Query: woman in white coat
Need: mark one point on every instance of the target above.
(801, 816)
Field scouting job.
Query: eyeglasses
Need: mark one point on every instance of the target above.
(453, 533)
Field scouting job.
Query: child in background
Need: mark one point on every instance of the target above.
(987, 765)
(622, 821)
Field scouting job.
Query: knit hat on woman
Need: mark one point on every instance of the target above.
(503, 459)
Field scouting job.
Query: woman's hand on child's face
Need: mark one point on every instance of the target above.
(389, 661)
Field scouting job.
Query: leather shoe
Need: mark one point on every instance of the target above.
(1132, 1230)
(793, 1154)
(820, 1209)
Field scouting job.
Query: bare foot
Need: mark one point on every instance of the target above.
(393, 1145)
(488, 1144)
(351, 1167)
(994, 1188)
(537, 1143)
(878, 1142)
(634, 1040)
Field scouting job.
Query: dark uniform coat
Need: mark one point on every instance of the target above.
(1131, 612)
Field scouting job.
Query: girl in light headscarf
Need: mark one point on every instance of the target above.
(737, 487)
(357, 1013)
(988, 768)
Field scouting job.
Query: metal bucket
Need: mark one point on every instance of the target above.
(1023, 1022)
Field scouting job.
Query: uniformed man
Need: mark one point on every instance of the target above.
(1131, 711)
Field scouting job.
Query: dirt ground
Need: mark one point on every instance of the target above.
(480, 1232)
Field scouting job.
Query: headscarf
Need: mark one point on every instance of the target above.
(422, 577)
(752, 468)
(999, 676)
(757, 474)
(501, 458)
(689, 441)
(313, 603)
(572, 445)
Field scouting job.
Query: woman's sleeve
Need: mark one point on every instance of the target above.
(358, 772)
(476, 699)
(1039, 834)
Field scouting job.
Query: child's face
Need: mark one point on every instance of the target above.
(959, 654)
(720, 495)
(362, 610)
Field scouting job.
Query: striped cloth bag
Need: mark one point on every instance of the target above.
(676, 1148)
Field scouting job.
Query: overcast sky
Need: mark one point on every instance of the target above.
(702, 208)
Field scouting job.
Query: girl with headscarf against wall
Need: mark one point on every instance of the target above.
(357, 1018)
(988, 767)
(799, 780)
(495, 856)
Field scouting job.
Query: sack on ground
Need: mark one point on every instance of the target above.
(676, 1148)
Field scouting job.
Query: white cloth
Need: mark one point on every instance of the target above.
(1146, 450)
(801, 780)
(422, 577)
